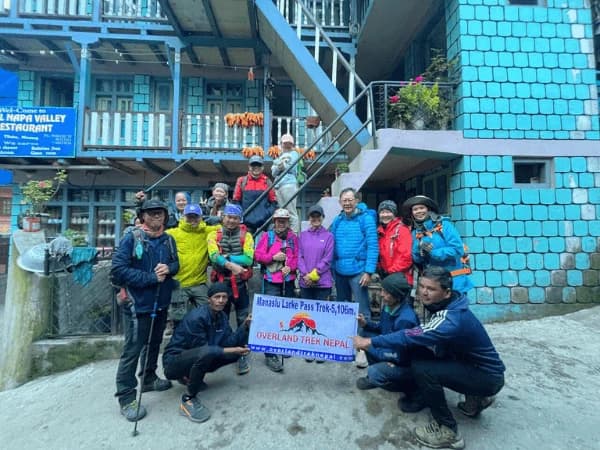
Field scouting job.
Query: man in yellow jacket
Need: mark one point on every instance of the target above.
(190, 237)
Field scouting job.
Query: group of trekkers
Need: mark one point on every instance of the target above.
(162, 267)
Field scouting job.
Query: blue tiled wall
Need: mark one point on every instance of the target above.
(527, 72)
(529, 245)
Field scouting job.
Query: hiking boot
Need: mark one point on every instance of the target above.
(131, 412)
(435, 435)
(309, 360)
(473, 405)
(363, 383)
(411, 403)
(320, 361)
(274, 363)
(242, 365)
(361, 360)
(193, 409)
(158, 384)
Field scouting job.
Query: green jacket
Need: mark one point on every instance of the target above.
(192, 252)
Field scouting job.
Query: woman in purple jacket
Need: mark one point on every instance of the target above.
(314, 259)
(315, 256)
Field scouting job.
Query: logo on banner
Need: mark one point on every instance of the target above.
(299, 321)
(303, 328)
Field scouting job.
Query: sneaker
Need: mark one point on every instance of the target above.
(320, 361)
(274, 363)
(309, 360)
(363, 383)
(361, 360)
(435, 435)
(411, 404)
(473, 405)
(158, 384)
(193, 409)
(131, 411)
(242, 365)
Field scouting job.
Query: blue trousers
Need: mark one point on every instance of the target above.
(348, 289)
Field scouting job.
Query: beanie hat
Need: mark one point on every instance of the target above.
(396, 285)
(231, 209)
(223, 186)
(215, 288)
(390, 205)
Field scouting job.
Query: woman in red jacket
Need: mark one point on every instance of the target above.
(395, 242)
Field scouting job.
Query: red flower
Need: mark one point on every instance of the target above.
(394, 99)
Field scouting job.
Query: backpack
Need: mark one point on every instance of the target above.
(219, 275)
(270, 240)
(137, 252)
(300, 172)
(245, 182)
(465, 259)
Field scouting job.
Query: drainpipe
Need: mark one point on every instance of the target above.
(266, 113)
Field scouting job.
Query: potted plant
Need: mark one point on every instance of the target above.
(419, 104)
(36, 193)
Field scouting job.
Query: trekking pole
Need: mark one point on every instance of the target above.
(146, 351)
(152, 186)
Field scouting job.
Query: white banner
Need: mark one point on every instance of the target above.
(304, 328)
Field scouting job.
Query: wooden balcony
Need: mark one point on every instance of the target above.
(151, 132)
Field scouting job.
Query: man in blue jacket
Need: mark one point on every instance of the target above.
(355, 255)
(144, 264)
(389, 368)
(203, 342)
(465, 359)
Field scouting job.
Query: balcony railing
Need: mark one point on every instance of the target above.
(328, 13)
(129, 10)
(151, 131)
(148, 131)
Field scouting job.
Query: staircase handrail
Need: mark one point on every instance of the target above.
(331, 44)
(351, 105)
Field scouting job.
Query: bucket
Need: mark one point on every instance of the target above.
(32, 223)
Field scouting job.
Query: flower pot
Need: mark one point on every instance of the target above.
(32, 224)
(313, 121)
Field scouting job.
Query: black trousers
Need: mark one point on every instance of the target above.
(195, 363)
(433, 375)
(136, 337)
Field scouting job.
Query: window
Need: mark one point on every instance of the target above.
(436, 187)
(113, 95)
(528, 2)
(532, 172)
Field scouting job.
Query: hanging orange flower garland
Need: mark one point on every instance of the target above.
(244, 120)
(248, 152)
(275, 152)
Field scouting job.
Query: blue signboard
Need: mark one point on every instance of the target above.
(44, 132)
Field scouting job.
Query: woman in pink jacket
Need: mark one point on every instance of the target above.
(277, 251)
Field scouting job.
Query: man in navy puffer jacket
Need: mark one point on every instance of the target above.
(144, 264)
(203, 342)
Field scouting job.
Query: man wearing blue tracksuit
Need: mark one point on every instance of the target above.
(464, 359)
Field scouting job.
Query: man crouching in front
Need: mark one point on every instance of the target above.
(202, 343)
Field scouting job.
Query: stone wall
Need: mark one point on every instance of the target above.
(526, 72)
(529, 245)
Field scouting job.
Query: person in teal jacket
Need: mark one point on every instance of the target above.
(436, 242)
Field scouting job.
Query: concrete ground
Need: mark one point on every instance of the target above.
(550, 401)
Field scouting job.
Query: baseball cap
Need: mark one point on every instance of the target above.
(287, 138)
(231, 209)
(256, 160)
(153, 203)
(316, 209)
(192, 208)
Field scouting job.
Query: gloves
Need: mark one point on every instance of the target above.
(313, 275)
(425, 248)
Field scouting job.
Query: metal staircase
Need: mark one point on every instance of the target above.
(329, 85)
